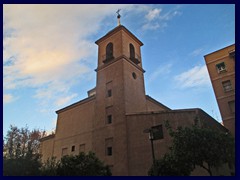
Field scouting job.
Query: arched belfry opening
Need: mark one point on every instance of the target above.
(132, 54)
(109, 52)
(132, 51)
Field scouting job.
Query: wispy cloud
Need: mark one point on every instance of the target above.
(151, 26)
(157, 19)
(170, 14)
(7, 98)
(196, 52)
(165, 69)
(47, 46)
(195, 77)
(64, 100)
(153, 14)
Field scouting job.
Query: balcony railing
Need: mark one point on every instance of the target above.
(136, 59)
(107, 59)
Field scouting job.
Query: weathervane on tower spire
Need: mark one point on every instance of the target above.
(118, 16)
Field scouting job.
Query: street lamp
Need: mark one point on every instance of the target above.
(151, 138)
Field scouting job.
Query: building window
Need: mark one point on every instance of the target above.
(109, 93)
(109, 51)
(221, 67)
(109, 119)
(157, 132)
(134, 75)
(232, 54)
(109, 151)
(109, 89)
(109, 146)
(231, 105)
(81, 148)
(132, 54)
(109, 112)
(64, 151)
(132, 51)
(227, 85)
(73, 148)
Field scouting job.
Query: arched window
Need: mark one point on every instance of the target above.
(109, 51)
(132, 51)
(133, 57)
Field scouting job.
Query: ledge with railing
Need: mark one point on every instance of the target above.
(136, 59)
(107, 59)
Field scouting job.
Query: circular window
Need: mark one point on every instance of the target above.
(134, 75)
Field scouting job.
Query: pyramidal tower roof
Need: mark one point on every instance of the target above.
(115, 30)
(119, 28)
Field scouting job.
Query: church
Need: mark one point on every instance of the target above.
(115, 121)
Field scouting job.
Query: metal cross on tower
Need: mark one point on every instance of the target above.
(118, 16)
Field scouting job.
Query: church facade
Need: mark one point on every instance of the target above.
(113, 119)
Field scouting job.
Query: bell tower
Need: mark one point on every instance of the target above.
(119, 91)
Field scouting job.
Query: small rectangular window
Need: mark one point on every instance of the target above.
(64, 151)
(109, 151)
(109, 116)
(232, 54)
(73, 148)
(109, 119)
(109, 93)
(221, 67)
(109, 87)
(108, 146)
(227, 86)
(157, 132)
(231, 105)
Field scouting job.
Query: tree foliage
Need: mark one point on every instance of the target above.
(21, 157)
(169, 166)
(82, 165)
(197, 146)
(21, 142)
(78, 165)
(49, 168)
(21, 152)
(23, 166)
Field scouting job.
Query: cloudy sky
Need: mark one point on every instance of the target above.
(49, 55)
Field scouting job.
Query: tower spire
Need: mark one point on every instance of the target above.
(118, 17)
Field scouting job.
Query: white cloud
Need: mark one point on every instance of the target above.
(7, 98)
(165, 69)
(153, 14)
(64, 100)
(169, 15)
(196, 52)
(47, 46)
(150, 26)
(157, 18)
(195, 77)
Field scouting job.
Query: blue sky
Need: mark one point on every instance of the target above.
(49, 55)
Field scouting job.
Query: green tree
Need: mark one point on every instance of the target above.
(82, 165)
(21, 152)
(20, 142)
(169, 166)
(198, 146)
(49, 168)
